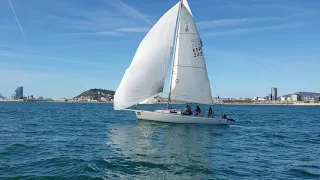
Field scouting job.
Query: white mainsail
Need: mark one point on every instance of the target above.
(190, 80)
(146, 74)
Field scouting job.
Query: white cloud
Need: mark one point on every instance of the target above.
(5, 27)
(115, 32)
(240, 21)
(23, 55)
(99, 33)
(230, 22)
(248, 30)
(130, 11)
(135, 29)
(113, 19)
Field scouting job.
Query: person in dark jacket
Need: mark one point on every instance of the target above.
(198, 111)
(210, 112)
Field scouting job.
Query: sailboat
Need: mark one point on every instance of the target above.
(174, 37)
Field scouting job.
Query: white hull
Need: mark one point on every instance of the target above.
(166, 116)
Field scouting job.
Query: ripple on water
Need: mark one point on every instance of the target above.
(91, 141)
(305, 172)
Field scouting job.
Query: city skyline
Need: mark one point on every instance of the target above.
(62, 48)
(19, 94)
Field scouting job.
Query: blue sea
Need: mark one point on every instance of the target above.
(92, 141)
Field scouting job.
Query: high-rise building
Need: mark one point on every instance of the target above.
(274, 94)
(296, 97)
(18, 93)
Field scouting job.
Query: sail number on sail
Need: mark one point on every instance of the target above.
(197, 47)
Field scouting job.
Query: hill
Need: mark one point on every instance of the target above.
(96, 94)
(304, 94)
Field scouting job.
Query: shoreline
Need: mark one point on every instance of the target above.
(271, 104)
(244, 104)
(10, 101)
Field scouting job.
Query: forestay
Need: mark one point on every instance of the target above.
(146, 74)
(190, 80)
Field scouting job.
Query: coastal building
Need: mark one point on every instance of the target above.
(283, 98)
(274, 94)
(82, 98)
(269, 97)
(30, 97)
(296, 97)
(18, 93)
(316, 99)
(261, 99)
(40, 98)
(2, 98)
(62, 100)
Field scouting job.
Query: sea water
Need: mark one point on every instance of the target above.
(92, 141)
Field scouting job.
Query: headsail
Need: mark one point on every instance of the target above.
(190, 80)
(146, 74)
(185, 3)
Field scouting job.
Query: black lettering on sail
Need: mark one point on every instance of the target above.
(197, 47)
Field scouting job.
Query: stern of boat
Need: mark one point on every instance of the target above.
(138, 113)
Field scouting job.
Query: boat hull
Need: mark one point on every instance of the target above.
(166, 116)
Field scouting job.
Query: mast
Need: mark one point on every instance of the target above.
(174, 50)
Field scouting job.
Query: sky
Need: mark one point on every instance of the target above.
(60, 48)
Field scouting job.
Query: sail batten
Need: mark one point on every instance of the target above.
(145, 77)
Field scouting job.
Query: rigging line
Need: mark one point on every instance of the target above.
(221, 109)
(175, 41)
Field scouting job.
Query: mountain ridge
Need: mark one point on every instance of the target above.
(304, 94)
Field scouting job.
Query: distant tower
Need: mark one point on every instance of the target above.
(274, 94)
(18, 93)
